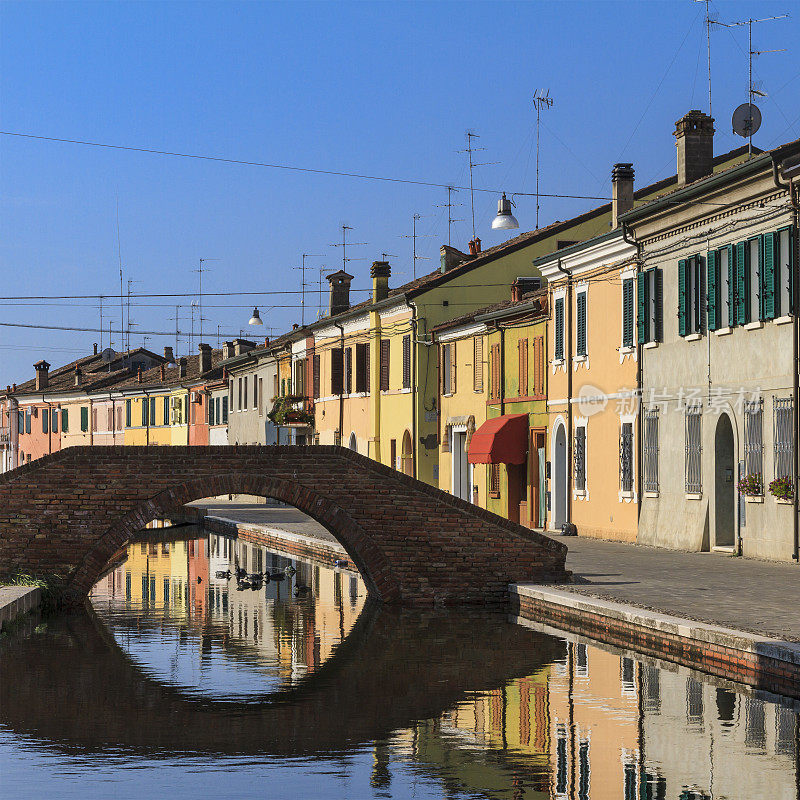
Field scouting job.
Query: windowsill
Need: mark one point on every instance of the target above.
(781, 502)
(650, 345)
(557, 362)
(723, 331)
(627, 349)
(626, 495)
(753, 326)
(693, 337)
(579, 359)
(785, 320)
(494, 495)
(651, 494)
(694, 495)
(580, 493)
(756, 499)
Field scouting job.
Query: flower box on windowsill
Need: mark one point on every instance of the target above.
(754, 498)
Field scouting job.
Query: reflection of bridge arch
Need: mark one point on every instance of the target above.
(68, 513)
(395, 668)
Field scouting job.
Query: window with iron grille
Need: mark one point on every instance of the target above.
(753, 444)
(650, 450)
(626, 457)
(580, 458)
(783, 412)
(494, 479)
(694, 450)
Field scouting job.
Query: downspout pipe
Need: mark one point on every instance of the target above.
(568, 326)
(794, 199)
(49, 413)
(341, 387)
(414, 394)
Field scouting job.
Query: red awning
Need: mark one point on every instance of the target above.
(502, 440)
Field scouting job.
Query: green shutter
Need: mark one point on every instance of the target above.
(683, 274)
(712, 288)
(731, 287)
(581, 324)
(559, 333)
(760, 285)
(84, 418)
(64, 420)
(127, 413)
(627, 312)
(792, 269)
(658, 304)
(742, 284)
(641, 308)
(699, 291)
(770, 290)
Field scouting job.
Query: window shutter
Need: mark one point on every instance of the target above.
(581, 324)
(453, 368)
(683, 274)
(337, 366)
(699, 290)
(84, 419)
(442, 362)
(742, 284)
(407, 362)
(384, 365)
(658, 304)
(348, 370)
(731, 287)
(769, 292)
(64, 421)
(477, 363)
(315, 378)
(559, 331)
(45, 420)
(538, 365)
(641, 308)
(627, 312)
(367, 377)
(712, 263)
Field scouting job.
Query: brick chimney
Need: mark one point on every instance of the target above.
(621, 191)
(340, 292)
(205, 357)
(242, 346)
(450, 257)
(163, 372)
(182, 367)
(227, 349)
(380, 272)
(474, 246)
(42, 375)
(694, 139)
(78, 376)
(139, 374)
(169, 355)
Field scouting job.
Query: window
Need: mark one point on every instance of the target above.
(393, 453)
(384, 365)
(753, 447)
(210, 418)
(143, 404)
(239, 398)
(337, 370)
(348, 370)
(650, 450)
(626, 457)
(224, 410)
(539, 371)
(316, 375)
(448, 368)
(128, 421)
(28, 422)
(522, 357)
(721, 285)
(785, 272)
(580, 458)
(274, 386)
(494, 480)
(165, 411)
(477, 364)
(110, 419)
(407, 362)
(54, 420)
(64, 420)
(649, 302)
(85, 418)
(753, 268)
(45, 420)
(244, 393)
(691, 295)
(230, 393)
(119, 418)
(580, 324)
(255, 391)
(627, 312)
(694, 480)
(94, 419)
(494, 372)
(362, 367)
(300, 376)
(783, 411)
(584, 770)
(152, 405)
(260, 395)
(558, 352)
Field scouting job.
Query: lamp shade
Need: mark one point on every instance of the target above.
(255, 319)
(504, 220)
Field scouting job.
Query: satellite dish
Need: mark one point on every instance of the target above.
(108, 355)
(746, 120)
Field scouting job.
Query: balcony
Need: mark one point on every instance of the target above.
(5, 435)
(292, 410)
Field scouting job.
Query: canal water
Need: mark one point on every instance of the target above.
(179, 681)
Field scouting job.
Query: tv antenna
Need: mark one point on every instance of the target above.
(323, 270)
(200, 294)
(344, 244)
(541, 99)
(413, 237)
(303, 284)
(470, 150)
(121, 284)
(450, 205)
(127, 344)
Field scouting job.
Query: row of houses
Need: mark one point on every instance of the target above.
(630, 373)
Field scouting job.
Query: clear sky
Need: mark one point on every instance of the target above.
(385, 88)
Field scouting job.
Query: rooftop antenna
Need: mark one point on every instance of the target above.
(450, 205)
(127, 343)
(101, 323)
(541, 99)
(470, 150)
(177, 332)
(121, 282)
(413, 237)
(323, 270)
(708, 21)
(200, 295)
(344, 245)
(303, 284)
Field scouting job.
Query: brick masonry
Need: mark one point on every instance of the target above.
(65, 515)
(769, 670)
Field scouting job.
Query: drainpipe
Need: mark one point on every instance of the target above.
(341, 387)
(146, 402)
(568, 326)
(626, 233)
(502, 386)
(794, 199)
(414, 395)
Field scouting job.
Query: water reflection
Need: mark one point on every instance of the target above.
(170, 681)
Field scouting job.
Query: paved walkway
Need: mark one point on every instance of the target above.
(756, 596)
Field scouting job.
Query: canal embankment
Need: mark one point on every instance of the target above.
(16, 601)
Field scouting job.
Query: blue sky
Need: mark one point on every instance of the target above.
(384, 89)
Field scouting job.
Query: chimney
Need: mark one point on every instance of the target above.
(139, 375)
(205, 357)
(242, 346)
(525, 285)
(694, 135)
(163, 372)
(78, 376)
(182, 367)
(227, 349)
(340, 292)
(295, 326)
(451, 257)
(380, 272)
(474, 246)
(95, 348)
(169, 355)
(42, 374)
(621, 191)
(266, 341)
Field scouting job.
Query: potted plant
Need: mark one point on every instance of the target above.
(782, 489)
(751, 485)
(284, 411)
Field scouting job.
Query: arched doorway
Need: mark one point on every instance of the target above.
(353, 443)
(406, 455)
(559, 500)
(724, 484)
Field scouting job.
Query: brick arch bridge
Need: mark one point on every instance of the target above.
(65, 515)
(396, 667)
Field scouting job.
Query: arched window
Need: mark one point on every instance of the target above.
(406, 455)
(353, 443)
